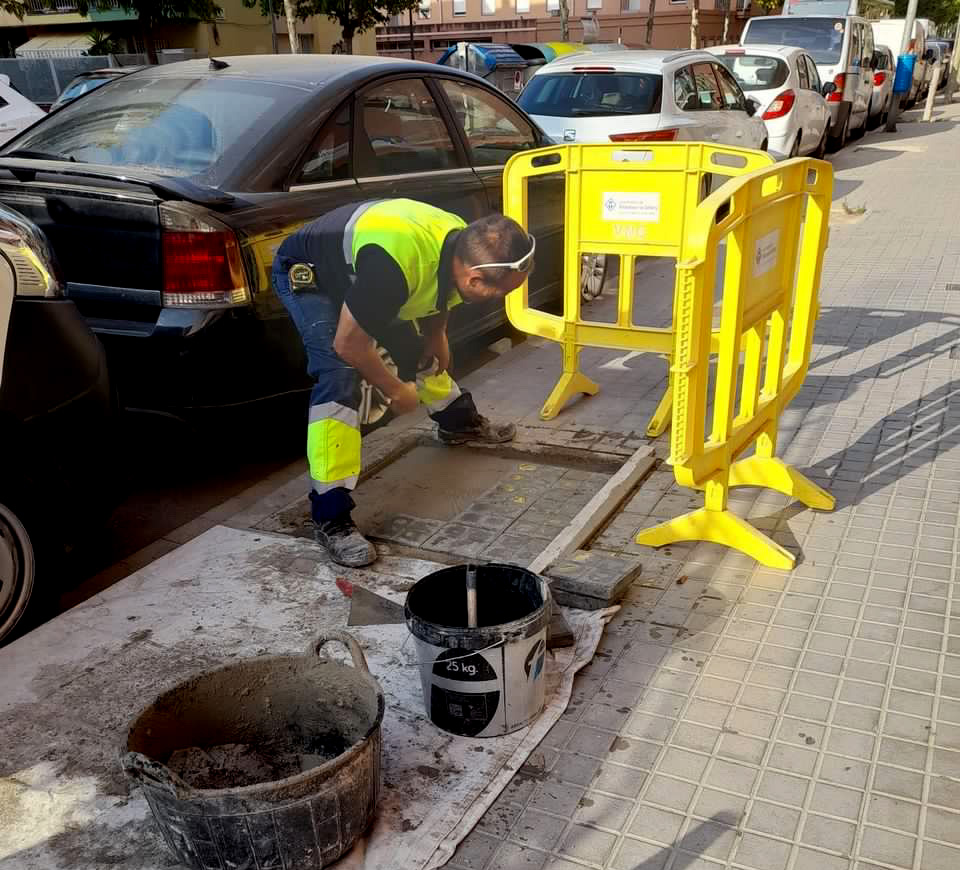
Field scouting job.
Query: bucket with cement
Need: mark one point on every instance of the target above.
(488, 680)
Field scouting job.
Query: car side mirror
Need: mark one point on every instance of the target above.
(752, 106)
(828, 88)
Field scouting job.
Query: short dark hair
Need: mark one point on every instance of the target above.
(492, 239)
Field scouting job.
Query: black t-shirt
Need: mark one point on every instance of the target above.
(375, 289)
(379, 291)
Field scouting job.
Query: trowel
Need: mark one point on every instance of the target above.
(368, 608)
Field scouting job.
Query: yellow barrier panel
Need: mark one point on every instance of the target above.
(774, 223)
(621, 200)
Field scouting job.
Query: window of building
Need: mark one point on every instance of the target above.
(402, 131)
(523, 7)
(594, 4)
(488, 7)
(553, 5)
(459, 7)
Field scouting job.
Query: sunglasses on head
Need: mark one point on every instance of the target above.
(524, 264)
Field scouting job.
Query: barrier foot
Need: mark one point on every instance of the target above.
(775, 474)
(661, 417)
(570, 384)
(719, 527)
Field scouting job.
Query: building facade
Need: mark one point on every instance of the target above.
(51, 30)
(441, 23)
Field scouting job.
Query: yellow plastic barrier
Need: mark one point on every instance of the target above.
(774, 223)
(621, 200)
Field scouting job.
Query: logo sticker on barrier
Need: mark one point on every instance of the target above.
(639, 207)
(765, 256)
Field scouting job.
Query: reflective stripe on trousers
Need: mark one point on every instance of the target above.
(333, 446)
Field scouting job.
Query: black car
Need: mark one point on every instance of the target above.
(166, 195)
(56, 422)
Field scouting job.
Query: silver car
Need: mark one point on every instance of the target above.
(642, 96)
(884, 70)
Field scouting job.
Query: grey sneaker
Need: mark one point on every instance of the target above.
(345, 543)
(480, 431)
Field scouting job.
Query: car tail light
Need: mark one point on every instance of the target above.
(200, 261)
(879, 78)
(837, 95)
(781, 105)
(651, 136)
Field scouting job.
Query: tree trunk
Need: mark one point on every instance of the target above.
(694, 23)
(564, 21)
(348, 40)
(149, 46)
(726, 22)
(292, 37)
(651, 14)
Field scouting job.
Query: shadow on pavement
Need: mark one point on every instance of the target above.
(908, 438)
(691, 845)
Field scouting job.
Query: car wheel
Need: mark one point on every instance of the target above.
(858, 132)
(835, 143)
(17, 571)
(821, 151)
(593, 275)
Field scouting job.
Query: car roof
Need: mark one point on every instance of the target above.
(309, 70)
(757, 48)
(640, 60)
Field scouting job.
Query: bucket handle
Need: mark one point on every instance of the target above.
(141, 768)
(347, 639)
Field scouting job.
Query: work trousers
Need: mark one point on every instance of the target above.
(333, 427)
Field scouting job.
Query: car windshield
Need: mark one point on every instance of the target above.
(192, 127)
(592, 95)
(821, 38)
(756, 72)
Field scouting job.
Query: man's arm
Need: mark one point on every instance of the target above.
(435, 344)
(356, 348)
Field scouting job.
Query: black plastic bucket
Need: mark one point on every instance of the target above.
(301, 822)
(489, 680)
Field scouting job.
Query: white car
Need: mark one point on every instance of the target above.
(785, 82)
(16, 111)
(642, 96)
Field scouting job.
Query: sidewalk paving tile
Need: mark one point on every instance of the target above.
(752, 719)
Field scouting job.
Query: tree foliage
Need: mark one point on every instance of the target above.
(769, 6)
(353, 16)
(942, 12)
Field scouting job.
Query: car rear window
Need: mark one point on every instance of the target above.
(821, 38)
(592, 95)
(756, 72)
(183, 126)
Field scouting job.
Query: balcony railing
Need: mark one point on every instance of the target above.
(61, 7)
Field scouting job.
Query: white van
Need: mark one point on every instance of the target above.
(842, 48)
(889, 32)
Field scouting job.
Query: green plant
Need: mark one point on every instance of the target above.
(102, 42)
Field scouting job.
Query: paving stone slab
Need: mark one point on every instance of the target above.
(589, 579)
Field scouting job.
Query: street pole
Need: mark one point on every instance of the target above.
(932, 92)
(413, 54)
(273, 29)
(904, 45)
